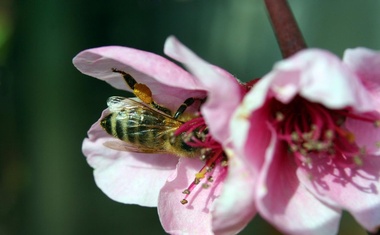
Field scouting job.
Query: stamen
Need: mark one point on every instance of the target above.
(207, 169)
(313, 131)
(345, 133)
(195, 134)
(366, 118)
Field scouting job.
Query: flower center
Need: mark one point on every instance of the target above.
(196, 135)
(313, 131)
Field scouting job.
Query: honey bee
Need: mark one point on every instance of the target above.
(144, 126)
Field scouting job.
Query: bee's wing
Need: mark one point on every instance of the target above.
(117, 103)
(124, 146)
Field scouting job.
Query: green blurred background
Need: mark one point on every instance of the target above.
(47, 106)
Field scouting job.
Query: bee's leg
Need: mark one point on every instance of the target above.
(161, 108)
(141, 91)
(127, 77)
(186, 103)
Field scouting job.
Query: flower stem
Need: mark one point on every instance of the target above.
(288, 35)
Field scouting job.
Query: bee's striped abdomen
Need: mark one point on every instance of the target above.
(145, 129)
(120, 129)
(137, 126)
(114, 126)
(106, 123)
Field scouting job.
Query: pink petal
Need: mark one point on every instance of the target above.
(283, 201)
(224, 91)
(366, 64)
(235, 207)
(245, 163)
(319, 76)
(367, 136)
(194, 217)
(248, 120)
(355, 190)
(124, 176)
(170, 84)
(251, 134)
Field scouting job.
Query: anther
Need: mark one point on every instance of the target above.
(329, 134)
(307, 135)
(184, 201)
(186, 191)
(293, 148)
(210, 179)
(205, 186)
(279, 116)
(294, 136)
(358, 161)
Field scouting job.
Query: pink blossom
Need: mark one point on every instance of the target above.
(160, 179)
(309, 131)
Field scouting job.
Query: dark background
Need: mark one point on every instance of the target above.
(47, 106)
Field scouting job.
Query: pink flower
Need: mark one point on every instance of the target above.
(160, 179)
(309, 131)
